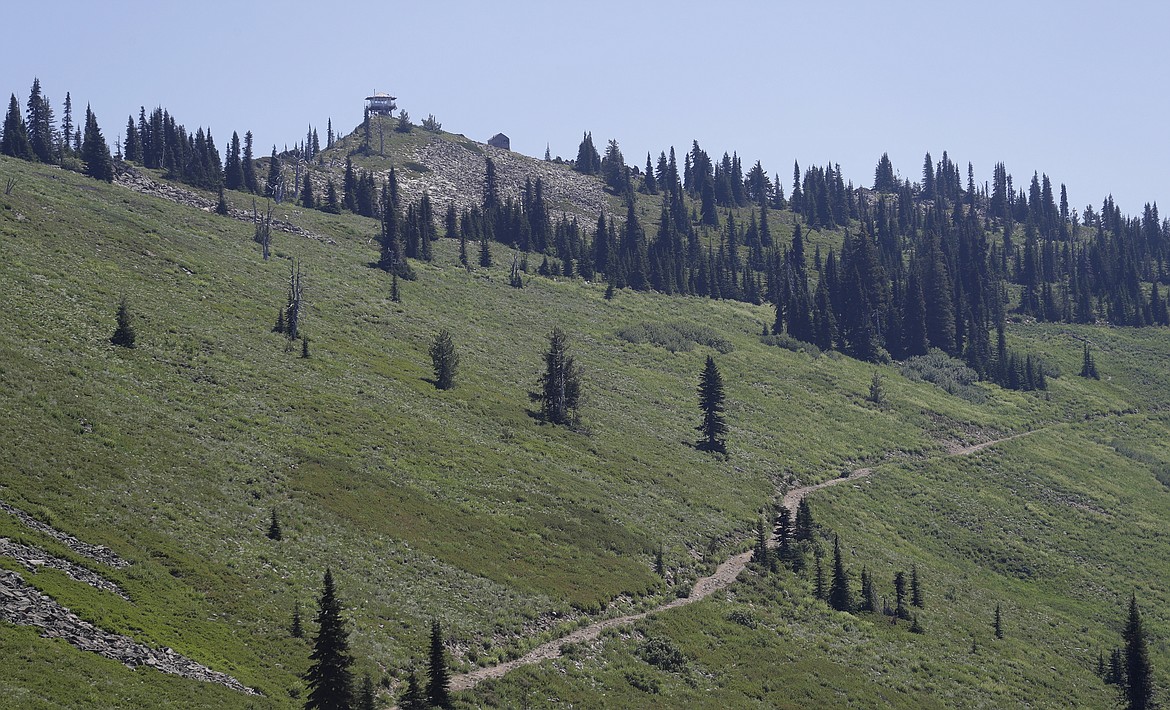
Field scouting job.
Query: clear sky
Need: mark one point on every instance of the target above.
(1073, 89)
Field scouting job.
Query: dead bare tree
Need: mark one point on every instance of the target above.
(8, 185)
(295, 308)
(263, 234)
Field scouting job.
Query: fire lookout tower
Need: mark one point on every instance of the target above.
(381, 104)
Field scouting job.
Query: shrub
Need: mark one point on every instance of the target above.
(951, 375)
(788, 342)
(662, 653)
(676, 336)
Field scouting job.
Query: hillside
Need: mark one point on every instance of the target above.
(463, 506)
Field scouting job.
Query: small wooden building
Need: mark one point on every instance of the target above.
(500, 141)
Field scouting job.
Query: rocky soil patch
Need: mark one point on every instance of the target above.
(22, 605)
(35, 558)
(131, 178)
(97, 553)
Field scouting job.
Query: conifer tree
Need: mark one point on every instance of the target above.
(869, 601)
(274, 186)
(297, 629)
(1139, 682)
(95, 153)
(330, 678)
(1088, 366)
(485, 251)
(444, 359)
(998, 622)
(67, 126)
(804, 521)
(274, 531)
(124, 335)
(900, 609)
(840, 593)
(248, 166)
(415, 698)
(917, 596)
(438, 680)
(784, 534)
(760, 555)
(560, 384)
(711, 398)
(40, 124)
(820, 588)
(307, 199)
(233, 169)
(366, 699)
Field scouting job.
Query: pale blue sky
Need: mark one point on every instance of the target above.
(1073, 89)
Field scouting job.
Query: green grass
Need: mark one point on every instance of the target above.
(461, 505)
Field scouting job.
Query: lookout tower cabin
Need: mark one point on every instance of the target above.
(381, 104)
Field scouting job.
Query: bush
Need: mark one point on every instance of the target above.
(788, 342)
(662, 653)
(676, 336)
(951, 375)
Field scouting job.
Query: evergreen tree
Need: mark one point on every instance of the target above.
(444, 359)
(711, 399)
(784, 534)
(820, 588)
(331, 204)
(297, 630)
(560, 385)
(840, 594)
(998, 622)
(1139, 682)
(248, 166)
(67, 126)
(274, 531)
(330, 678)
(869, 600)
(1088, 366)
(760, 555)
(307, 199)
(124, 335)
(917, 596)
(485, 251)
(804, 521)
(491, 186)
(438, 680)
(274, 186)
(415, 698)
(95, 153)
(233, 169)
(40, 124)
(588, 159)
(131, 146)
(395, 296)
(366, 699)
(900, 609)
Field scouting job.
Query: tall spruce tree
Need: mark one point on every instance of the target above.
(1139, 682)
(330, 676)
(711, 397)
(438, 678)
(560, 384)
(248, 166)
(95, 152)
(444, 359)
(840, 593)
(233, 169)
(124, 335)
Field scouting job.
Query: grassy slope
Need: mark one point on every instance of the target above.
(458, 504)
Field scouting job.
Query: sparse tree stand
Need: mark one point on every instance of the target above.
(123, 336)
(560, 385)
(438, 681)
(330, 678)
(711, 402)
(444, 359)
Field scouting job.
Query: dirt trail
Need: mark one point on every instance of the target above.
(723, 576)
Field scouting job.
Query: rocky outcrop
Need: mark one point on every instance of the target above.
(34, 558)
(455, 172)
(134, 179)
(22, 605)
(97, 553)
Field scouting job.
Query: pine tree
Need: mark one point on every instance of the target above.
(998, 622)
(438, 680)
(1139, 682)
(233, 169)
(711, 398)
(804, 521)
(248, 166)
(307, 199)
(40, 124)
(124, 335)
(917, 596)
(95, 153)
(297, 629)
(900, 609)
(784, 535)
(415, 698)
(840, 594)
(869, 601)
(274, 531)
(760, 555)
(1088, 366)
(444, 359)
(274, 186)
(366, 699)
(560, 385)
(485, 251)
(877, 394)
(330, 678)
(820, 589)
